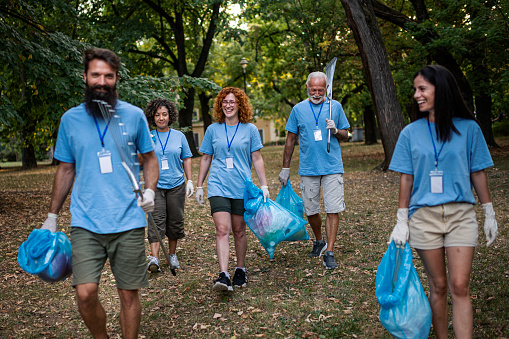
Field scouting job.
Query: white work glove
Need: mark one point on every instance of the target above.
(490, 223)
(189, 188)
(199, 196)
(147, 204)
(266, 194)
(332, 126)
(50, 223)
(400, 232)
(284, 175)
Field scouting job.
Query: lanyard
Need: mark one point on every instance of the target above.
(229, 143)
(312, 110)
(166, 143)
(101, 136)
(434, 147)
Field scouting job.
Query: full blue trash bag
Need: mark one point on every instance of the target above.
(292, 202)
(269, 221)
(405, 310)
(46, 254)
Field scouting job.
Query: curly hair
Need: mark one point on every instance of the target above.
(157, 103)
(245, 108)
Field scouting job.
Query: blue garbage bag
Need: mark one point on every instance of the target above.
(405, 310)
(292, 202)
(46, 254)
(269, 221)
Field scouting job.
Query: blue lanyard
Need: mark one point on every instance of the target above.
(312, 110)
(434, 147)
(166, 143)
(229, 143)
(101, 136)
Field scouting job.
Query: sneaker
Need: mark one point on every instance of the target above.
(328, 260)
(153, 264)
(318, 247)
(222, 283)
(239, 279)
(174, 261)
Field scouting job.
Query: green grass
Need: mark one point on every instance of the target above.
(291, 296)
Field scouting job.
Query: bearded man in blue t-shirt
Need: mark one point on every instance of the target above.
(107, 221)
(317, 167)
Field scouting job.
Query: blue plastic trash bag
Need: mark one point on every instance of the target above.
(269, 221)
(46, 254)
(292, 202)
(405, 310)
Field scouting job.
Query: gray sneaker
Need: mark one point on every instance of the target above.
(318, 247)
(153, 264)
(328, 260)
(174, 261)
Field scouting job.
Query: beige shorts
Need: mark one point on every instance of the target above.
(333, 193)
(448, 225)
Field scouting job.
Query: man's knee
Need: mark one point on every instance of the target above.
(87, 294)
(128, 298)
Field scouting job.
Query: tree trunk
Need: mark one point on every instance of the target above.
(483, 112)
(362, 21)
(369, 126)
(28, 160)
(205, 110)
(186, 119)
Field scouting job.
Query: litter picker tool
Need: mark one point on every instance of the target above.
(127, 151)
(329, 73)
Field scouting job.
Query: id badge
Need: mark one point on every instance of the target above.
(229, 161)
(105, 161)
(436, 181)
(164, 164)
(318, 134)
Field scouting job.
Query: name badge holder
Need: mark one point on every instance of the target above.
(164, 159)
(229, 161)
(229, 157)
(436, 181)
(164, 163)
(105, 161)
(317, 132)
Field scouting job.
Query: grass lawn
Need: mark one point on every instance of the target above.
(292, 296)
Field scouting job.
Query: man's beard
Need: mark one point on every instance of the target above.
(92, 93)
(315, 99)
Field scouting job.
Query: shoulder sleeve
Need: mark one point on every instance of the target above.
(145, 143)
(63, 151)
(292, 125)
(206, 144)
(342, 122)
(480, 157)
(186, 150)
(402, 158)
(256, 141)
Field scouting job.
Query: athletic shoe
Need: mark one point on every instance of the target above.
(153, 264)
(174, 261)
(328, 260)
(222, 283)
(239, 279)
(318, 247)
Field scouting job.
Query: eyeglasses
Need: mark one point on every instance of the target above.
(319, 91)
(228, 103)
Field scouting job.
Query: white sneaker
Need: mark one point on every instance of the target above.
(174, 261)
(153, 264)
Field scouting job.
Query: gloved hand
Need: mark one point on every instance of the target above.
(147, 204)
(332, 126)
(400, 233)
(284, 175)
(199, 195)
(189, 188)
(266, 194)
(490, 223)
(50, 223)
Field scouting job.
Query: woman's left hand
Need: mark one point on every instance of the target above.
(266, 194)
(189, 188)
(490, 223)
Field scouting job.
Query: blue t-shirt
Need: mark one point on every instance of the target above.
(314, 159)
(102, 203)
(230, 182)
(175, 148)
(463, 154)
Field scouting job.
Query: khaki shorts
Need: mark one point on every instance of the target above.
(126, 251)
(168, 213)
(447, 225)
(333, 193)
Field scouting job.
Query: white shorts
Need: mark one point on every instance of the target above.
(333, 193)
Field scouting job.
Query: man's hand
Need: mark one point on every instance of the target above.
(147, 204)
(284, 175)
(490, 223)
(266, 194)
(400, 233)
(332, 126)
(189, 188)
(199, 196)
(50, 223)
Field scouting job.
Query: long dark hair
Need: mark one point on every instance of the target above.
(449, 102)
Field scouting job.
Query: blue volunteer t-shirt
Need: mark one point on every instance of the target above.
(230, 182)
(314, 158)
(176, 149)
(463, 154)
(102, 203)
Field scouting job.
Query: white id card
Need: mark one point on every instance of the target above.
(436, 181)
(164, 164)
(105, 161)
(318, 134)
(229, 161)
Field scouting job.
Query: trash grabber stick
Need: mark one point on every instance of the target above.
(329, 73)
(127, 151)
